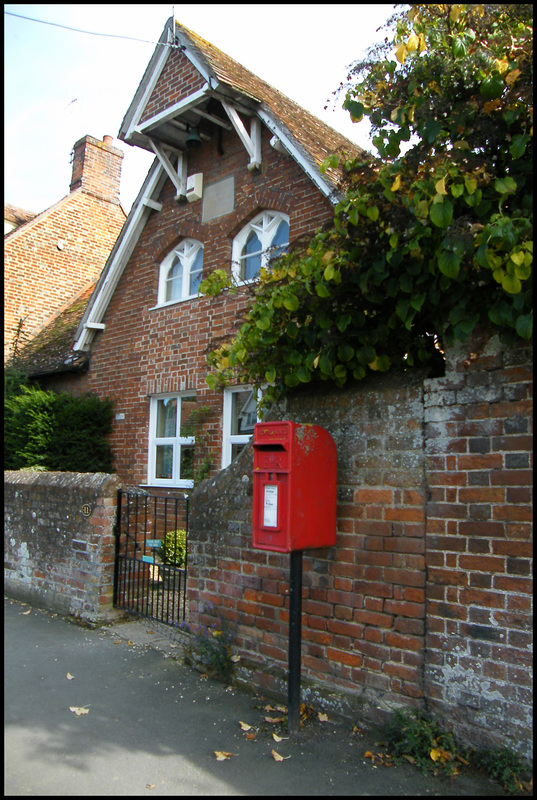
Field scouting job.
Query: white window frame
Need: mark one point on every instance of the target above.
(187, 251)
(229, 439)
(264, 225)
(177, 442)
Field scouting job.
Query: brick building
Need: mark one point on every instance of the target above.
(49, 258)
(236, 175)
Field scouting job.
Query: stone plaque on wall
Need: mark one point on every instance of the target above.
(218, 199)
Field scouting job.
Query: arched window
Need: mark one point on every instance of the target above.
(181, 272)
(264, 238)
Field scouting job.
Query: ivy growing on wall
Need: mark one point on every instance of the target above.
(433, 237)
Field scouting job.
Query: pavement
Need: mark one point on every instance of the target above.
(146, 724)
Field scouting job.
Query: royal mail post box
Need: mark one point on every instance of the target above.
(295, 480)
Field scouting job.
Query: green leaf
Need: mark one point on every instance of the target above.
(505, 185)
(524, 326)
(511, 284)
(322, 290)
(345, 352)
(270, 375)
(518, 145)
(291, 302)
(263, 323)
(373, 213)
(441, 214)
(449, 263)
(492, 87)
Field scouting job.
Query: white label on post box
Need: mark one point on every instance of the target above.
(270, 506)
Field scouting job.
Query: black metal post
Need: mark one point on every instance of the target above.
(295, 634)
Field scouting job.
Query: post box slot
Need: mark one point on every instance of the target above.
(269, 447)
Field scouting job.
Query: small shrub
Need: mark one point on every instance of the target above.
(55, 431)
(211, 649)
(172, 551)
(504, 766)
(419, 738)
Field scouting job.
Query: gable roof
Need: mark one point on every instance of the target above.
(217, 91)
(304, 136)
(50, 350)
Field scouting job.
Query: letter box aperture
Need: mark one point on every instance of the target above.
(295, 484)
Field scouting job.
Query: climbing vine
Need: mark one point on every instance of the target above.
(429, 240)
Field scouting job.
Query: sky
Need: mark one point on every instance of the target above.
(61, 85)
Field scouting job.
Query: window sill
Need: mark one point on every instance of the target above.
(174, 302)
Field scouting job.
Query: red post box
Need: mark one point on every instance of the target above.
(295, 484)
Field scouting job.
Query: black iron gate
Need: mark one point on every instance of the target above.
(151, 556)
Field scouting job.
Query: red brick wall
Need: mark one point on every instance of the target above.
(479, 532)
(146, 350)
(425, 600)
(49, 260)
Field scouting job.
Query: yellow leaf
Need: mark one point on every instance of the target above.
(401, 53)
(328, 256)
(455, 12)
(277, 757)
(440, 186)
(410, 759)
(437, 754)
(235, 659)
(274, 719)
(396, 184)
(150, 786)
(70, 677)
(78, 711)
(502, 65)
(244, 726)
(278, 738)
(322, 717)
(368, 754)
(423, 44)
(413, 43)
(512, 76)
(491, 105)
(221, 755)
(25, 613)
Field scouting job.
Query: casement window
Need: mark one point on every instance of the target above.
(240, 416)
(171, 441)
(181, 272)
(264, 238)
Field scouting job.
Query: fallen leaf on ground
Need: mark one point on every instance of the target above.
(281, 709)
(277, 757)
(221, 755)
(150, 786)
(274, 719)
(322, 717)
(25, 613)
(410, 759)
(278, 738)
(70, 677)
(251, 735)
(79, 710)
(244, 726)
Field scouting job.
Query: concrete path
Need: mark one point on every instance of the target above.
(153, 725)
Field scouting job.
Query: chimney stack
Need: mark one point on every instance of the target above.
(97, 167)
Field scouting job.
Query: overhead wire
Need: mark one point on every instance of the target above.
(90, 33)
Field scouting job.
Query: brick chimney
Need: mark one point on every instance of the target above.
(97, 167)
